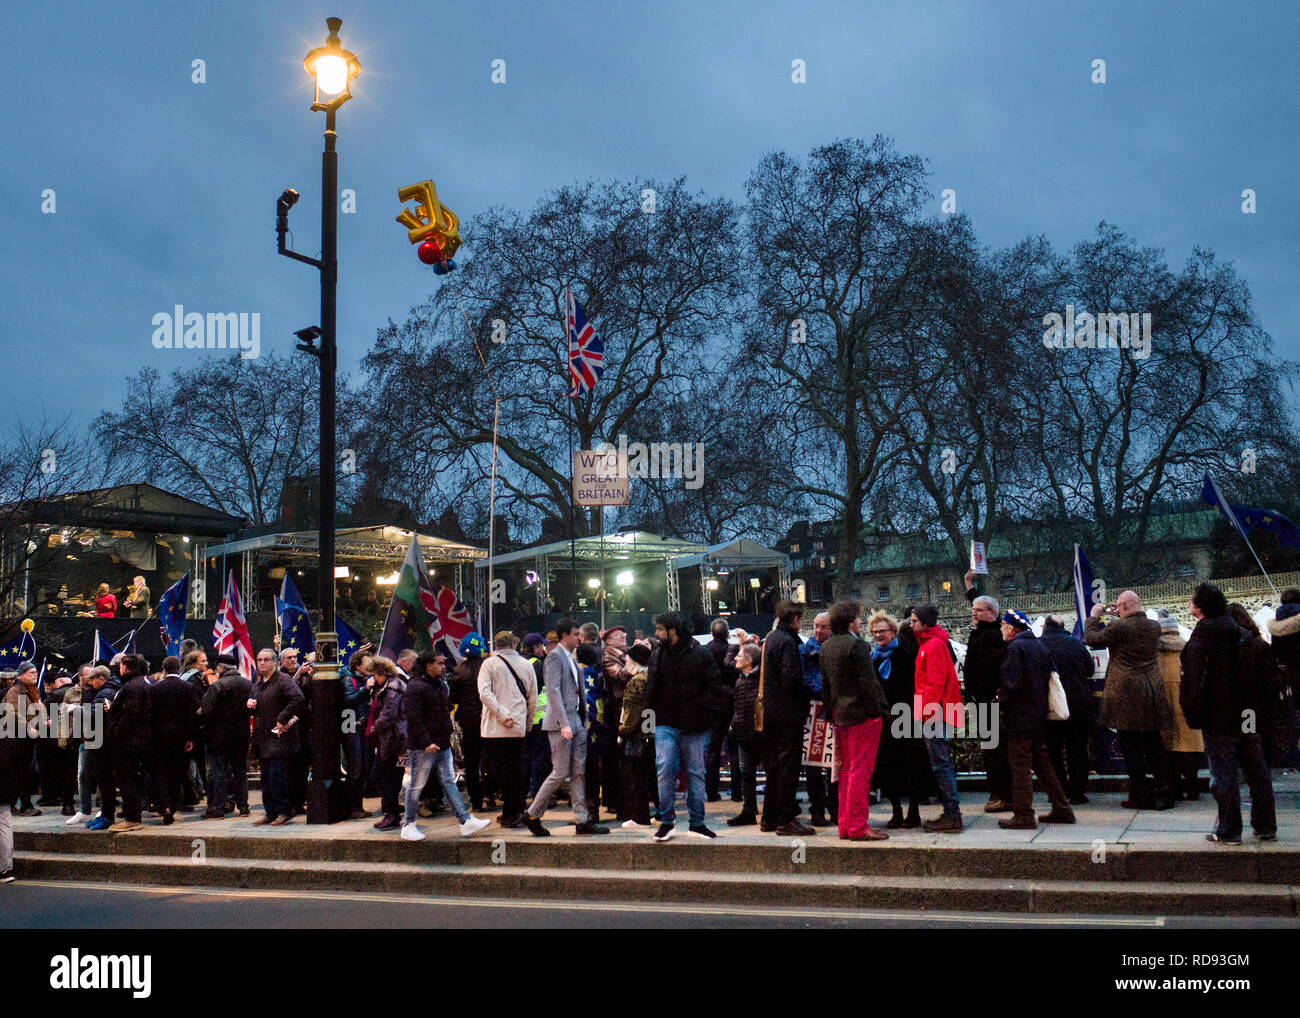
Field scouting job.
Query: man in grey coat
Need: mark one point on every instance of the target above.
(565, 726)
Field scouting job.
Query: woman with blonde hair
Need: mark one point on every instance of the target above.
(902, 767)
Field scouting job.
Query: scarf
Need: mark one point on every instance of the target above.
(881, 655)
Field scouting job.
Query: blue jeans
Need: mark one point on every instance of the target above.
(673, 747)
(422, 764)
(944, 776)
(275, 787)
(1225, 754)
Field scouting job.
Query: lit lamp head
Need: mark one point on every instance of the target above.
(624, 579)
(332, 68)
(593, 583)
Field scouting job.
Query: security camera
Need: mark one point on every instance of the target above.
(290, 198)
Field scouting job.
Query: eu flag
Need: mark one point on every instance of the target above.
(171, 612)
(295, 627)
(21, 648)
(1245, 519)
(350, 641)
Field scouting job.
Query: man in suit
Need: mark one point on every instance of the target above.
(565, 726)
(175, 720)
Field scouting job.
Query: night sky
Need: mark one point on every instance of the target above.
(165, 189)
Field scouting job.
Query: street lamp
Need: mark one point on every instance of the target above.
(332, 69)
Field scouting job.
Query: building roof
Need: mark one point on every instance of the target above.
(351, 544)
(631, 546)
(141, 506)
(740, 552)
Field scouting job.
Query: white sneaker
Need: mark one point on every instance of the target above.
(412, 833)
(473, 825)
(632, 825)
(77, 818)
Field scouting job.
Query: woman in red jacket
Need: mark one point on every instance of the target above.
(937, 705)
(105, 603)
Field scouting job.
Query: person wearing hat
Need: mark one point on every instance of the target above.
(469, 715)
(937, 705)
(24, 698)
(223, 717)
(1067, 741)
(1184, 744)
(1023, 683)
(130, 724)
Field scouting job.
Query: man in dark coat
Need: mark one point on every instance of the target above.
(680, 685)
(105, 687)
(130, 733)
(785, 707)
(1133, 701)
(719, 644)
(1217, 697)
(175, 724)
(982, 671)
(1067, 741)
(1022, 719)
(279, 707)
(224, 714)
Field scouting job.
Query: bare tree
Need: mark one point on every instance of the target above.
(227, 432)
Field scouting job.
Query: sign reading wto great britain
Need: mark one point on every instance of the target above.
(599, 477)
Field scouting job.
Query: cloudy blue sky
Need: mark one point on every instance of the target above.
(165, 189)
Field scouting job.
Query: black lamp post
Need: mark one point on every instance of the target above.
(332, 68)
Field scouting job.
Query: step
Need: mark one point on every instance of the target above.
(746, 856)
(673, 885)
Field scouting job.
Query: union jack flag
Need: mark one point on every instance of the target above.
(448, 617)
(230, 631)
(586, 351)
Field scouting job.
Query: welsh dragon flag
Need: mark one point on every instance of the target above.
(407, 623)
(423, 613)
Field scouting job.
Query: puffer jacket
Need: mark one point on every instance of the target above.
(937, 688)
(427, 713)
(389, 733)
(1286, 645)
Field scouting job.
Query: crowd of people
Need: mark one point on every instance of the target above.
(611, 723)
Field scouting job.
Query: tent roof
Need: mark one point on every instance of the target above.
(631, 546)
(369, 544)
(739, 552)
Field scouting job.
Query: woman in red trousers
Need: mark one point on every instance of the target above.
(856, 701)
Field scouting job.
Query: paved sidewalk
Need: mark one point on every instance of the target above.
(1101, 819)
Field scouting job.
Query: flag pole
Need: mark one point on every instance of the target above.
(492, 503)
(1267, 579)
(573, 517)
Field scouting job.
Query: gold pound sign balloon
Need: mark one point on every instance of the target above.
(432, 225)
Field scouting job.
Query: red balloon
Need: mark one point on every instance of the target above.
(430, 252)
